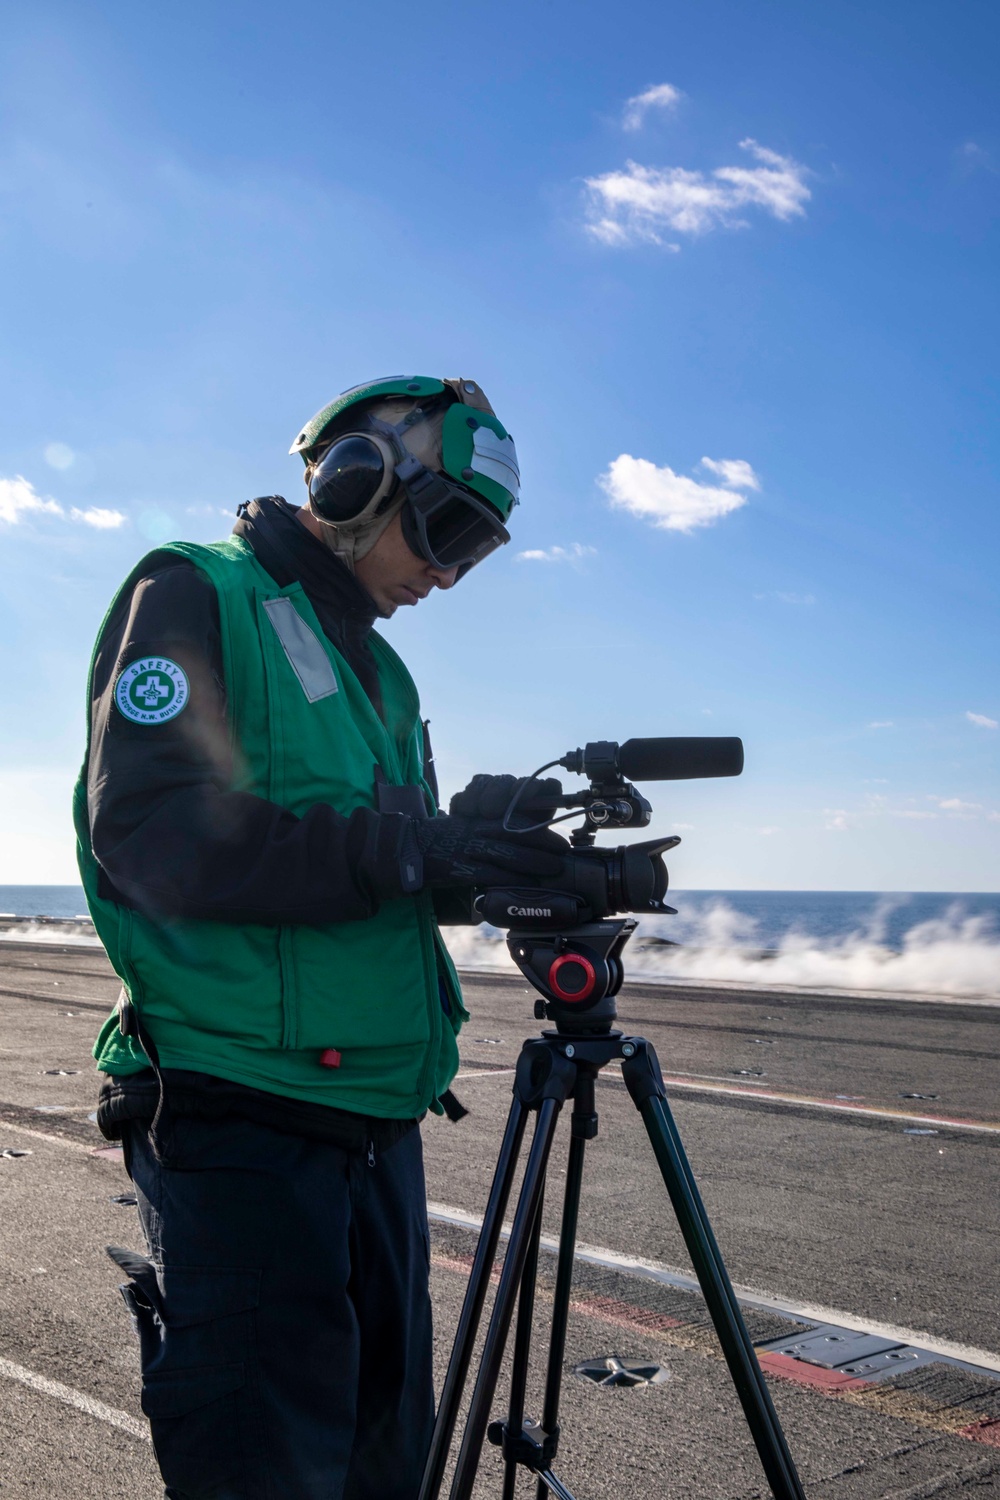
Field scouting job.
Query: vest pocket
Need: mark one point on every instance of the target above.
(364, 984)
(210, 979)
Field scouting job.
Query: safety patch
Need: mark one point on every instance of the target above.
(151, 690)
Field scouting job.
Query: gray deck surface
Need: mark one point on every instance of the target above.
(844, 1212)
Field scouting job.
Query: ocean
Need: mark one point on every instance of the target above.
(42, 901)
(917, 942)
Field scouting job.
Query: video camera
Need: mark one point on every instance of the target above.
(563, 935)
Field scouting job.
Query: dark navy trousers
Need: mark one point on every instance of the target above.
(283, 1313)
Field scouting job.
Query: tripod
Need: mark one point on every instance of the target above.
(557, 1066)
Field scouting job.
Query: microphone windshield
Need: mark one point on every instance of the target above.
(680, 758)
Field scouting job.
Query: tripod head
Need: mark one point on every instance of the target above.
(562, 936)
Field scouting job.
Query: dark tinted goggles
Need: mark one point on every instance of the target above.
(445, 524)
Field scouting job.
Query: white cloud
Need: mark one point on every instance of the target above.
(981, 720)
(638, 204)
(777, 185)
(59, 456)
(94, 515)
(657, 96)
(876, 805)
(881, 724)
(735, 473)
(18, 498)
(972, 157)
(787, 598)
(573, 553)
(668, 500)
(955, 804)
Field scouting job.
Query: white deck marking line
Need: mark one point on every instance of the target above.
(750, 1083)
(808, 1312)
(486, 1073)
(614, 1259)
(811, 1102)
(41, 1135)
(802, 1101)
(87, 1404)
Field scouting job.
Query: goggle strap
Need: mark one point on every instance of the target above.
(420, 482)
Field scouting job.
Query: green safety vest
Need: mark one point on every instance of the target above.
(259, 1004)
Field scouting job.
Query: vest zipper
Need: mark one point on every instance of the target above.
(371, 1153)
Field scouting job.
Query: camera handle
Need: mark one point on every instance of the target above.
(609, 802)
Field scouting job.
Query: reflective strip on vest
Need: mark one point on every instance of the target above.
(306, 656)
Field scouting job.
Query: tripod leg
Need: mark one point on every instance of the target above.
(503, 1307)
(475, 1296)
(558, 1489)
(522, 1350)
(642, 1076)
(584, 1128)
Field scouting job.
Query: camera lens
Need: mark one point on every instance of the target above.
(643, 879)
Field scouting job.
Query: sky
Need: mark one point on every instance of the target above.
(727, 273)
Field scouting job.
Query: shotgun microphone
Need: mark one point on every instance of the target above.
(671, 758)
(680, 759)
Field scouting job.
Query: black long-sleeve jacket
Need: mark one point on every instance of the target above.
(168, 834)
(173, 840)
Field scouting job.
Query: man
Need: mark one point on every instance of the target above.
(262, 855)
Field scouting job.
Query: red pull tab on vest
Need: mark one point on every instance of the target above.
(329, 1058)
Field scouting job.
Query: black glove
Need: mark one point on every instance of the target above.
(457, 851)
(490, 796)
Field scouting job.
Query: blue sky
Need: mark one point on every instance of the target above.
(727, 272)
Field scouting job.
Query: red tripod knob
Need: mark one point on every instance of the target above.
(578, 967)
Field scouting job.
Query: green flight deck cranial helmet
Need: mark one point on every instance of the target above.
(431, 451)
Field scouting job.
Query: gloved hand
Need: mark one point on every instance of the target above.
(457, 851)
(490, 796)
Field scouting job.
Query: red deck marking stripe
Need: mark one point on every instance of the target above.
(625, 1315)
(461, 1265)
(641, 1320)
(814, 1375)
(986, 1430)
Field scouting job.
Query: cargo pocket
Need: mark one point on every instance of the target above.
(200, 1387)
(141, 1295)
(206, 1442)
